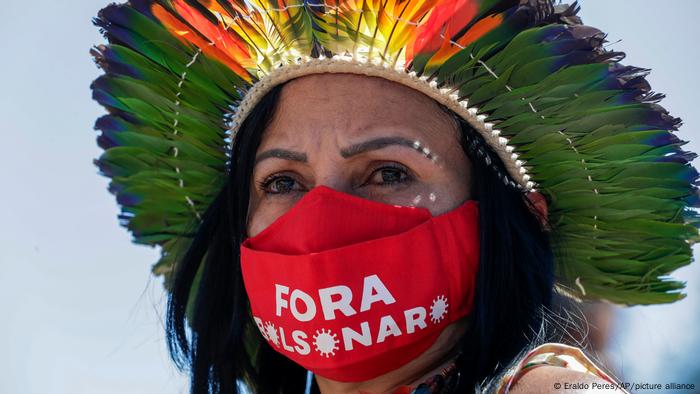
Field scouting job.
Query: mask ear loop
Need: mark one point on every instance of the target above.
(309, 382)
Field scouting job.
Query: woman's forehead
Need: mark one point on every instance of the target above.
(355, 106)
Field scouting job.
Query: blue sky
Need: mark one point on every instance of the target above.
(80, 312)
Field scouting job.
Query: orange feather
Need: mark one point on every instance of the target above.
(185, 34)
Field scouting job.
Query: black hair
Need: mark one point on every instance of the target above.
(216, 341)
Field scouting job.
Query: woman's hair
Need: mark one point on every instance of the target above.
(222, 345)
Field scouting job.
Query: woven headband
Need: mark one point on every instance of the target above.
(348, 64)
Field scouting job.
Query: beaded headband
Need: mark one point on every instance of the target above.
(346, 63)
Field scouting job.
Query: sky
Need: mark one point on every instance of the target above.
(80, 310)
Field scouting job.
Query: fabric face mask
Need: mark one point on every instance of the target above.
(351, 288)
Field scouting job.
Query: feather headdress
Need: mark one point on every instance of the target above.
(560, 111)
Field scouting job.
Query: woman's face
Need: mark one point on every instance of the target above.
(365, 136)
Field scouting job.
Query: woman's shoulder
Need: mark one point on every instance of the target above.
(553, 367)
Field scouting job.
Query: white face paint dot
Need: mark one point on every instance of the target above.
(326, 342)
(417, 199)
(432, 197)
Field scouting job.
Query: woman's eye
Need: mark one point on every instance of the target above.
(278, 184)
(389, 175)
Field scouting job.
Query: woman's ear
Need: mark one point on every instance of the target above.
(538, 204)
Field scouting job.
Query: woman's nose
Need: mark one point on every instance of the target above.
(336, 181)
(336, 185)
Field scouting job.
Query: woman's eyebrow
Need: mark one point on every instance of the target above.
(281, 154)
(356, 149)
(381, 142)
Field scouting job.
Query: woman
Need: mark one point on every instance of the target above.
(372, 219)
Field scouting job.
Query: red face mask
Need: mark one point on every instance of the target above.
(351, 288)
